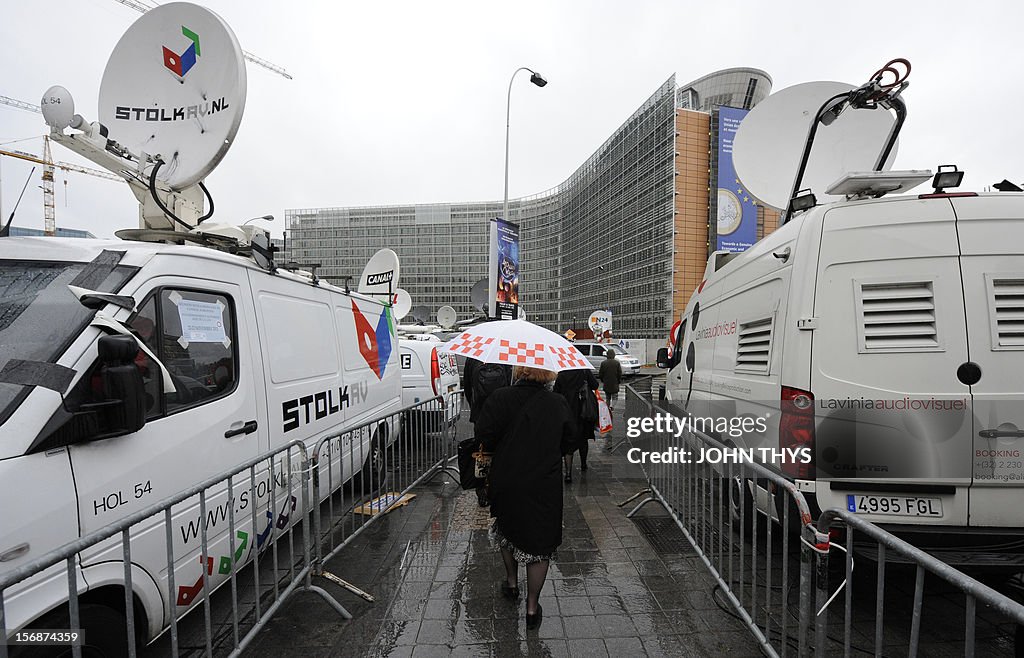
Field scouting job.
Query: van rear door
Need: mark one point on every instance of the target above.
(990, 230)
(893, 437)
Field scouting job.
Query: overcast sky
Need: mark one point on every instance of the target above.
(404, 102)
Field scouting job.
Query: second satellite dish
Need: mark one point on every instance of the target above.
(478, 296)
(175, 86)
(402, 302)
(446, 317)
(770, 143)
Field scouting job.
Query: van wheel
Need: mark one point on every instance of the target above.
(742, 510)
(371, 476)
(105, 629)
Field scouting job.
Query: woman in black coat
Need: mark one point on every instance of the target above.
(525, 426)
(570, 384)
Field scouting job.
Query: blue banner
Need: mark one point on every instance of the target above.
(737, 212)
(504, 274)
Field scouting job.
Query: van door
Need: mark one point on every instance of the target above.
(993, 280)
(893, 436)
(202, 329)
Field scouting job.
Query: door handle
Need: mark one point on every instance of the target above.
(248, 428)
(996, 434)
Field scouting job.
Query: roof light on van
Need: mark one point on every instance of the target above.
(947, 176)
(803, 200)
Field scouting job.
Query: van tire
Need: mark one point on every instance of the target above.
(746, 516)
(105, 629)
(372, 475)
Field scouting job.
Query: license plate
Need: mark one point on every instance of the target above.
(894, 505)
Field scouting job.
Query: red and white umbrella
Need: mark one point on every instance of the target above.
(518, 343)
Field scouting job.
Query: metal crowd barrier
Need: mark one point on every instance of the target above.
(714, 508)
(752, 557)
(284, 492)
(994, 604)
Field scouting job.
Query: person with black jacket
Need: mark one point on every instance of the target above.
(482, 379)
(572, 385)
(525, 426)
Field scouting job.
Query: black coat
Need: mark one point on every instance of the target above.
(568, 386)
(525, 426)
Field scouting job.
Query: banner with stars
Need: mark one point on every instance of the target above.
(737, 212)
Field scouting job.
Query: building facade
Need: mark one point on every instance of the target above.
(628, 231)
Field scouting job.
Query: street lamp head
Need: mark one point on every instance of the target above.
(537, 79)
(268, 218)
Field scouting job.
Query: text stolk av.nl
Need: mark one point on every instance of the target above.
(733, 427)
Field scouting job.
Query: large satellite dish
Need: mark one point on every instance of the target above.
(771, 139)
(478, 296)
(175, 86)
(446, 317)
(402, 304)
(380, 276)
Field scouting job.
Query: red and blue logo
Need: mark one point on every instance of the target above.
(183, 63)
(374, 342)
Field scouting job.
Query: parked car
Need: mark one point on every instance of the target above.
(596, 353)
(428, 371)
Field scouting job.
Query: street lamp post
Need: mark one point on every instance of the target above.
(537, 79)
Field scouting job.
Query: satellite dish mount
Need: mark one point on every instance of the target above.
(873, 94)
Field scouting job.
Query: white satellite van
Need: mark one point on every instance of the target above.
(886, 334)
(428, 370)
(256, 360)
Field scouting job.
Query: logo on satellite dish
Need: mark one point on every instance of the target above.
(183, 63)
(377, 279)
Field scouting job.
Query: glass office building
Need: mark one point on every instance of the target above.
(627, 231)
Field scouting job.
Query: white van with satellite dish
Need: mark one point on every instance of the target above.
(133, 370)
(428, 370)
(884, 333)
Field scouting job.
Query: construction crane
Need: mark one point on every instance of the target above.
(49, 210)
(142, 8)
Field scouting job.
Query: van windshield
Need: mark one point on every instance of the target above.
(39, 316)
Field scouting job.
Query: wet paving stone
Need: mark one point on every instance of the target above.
(436, 578)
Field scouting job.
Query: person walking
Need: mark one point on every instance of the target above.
(525, 426)
(480, 380)
(576, 386)
(610, 374)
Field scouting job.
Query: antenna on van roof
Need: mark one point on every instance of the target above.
(767, 152)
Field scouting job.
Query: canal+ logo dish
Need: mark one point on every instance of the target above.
(183, 63)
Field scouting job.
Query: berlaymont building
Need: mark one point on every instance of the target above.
(630, 230)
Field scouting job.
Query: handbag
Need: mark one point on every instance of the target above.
(467, 450)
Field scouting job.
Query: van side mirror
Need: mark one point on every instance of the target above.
(691, 358)
(662, 358)
(123, 409)
(108, 401)
(123, 385)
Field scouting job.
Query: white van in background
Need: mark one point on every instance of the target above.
(597, 352)
(886, 335)
(428, 371)
(247, 360)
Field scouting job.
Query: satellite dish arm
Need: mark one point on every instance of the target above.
(901, 116)
(830, 106)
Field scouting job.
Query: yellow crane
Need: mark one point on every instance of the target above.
(49, 166)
